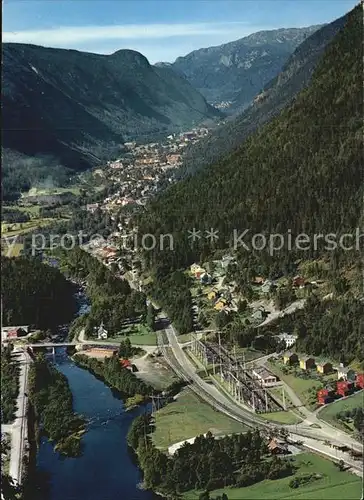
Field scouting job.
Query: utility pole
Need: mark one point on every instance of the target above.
(284, 398)
(155, 406)
(244, 366)
(220, 356)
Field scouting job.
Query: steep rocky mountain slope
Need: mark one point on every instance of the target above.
(299, 173)
(238, 70)
(79, 107)
(276, 95)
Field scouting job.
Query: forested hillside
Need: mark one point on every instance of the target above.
(302, 172)
(276, 95)
(78, 108)
(35, 294)
(112, 300)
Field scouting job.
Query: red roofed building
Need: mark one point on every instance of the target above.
(359, 382)
(125, 363)
(323, 396)
(14, 332)
(298, 281)
(344, 387)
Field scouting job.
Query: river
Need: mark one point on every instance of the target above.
(106, 470)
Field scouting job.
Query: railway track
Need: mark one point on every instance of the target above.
(199, 389)
(250, 389)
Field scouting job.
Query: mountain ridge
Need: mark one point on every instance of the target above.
(80, 107)
(275, 96)
(300, 173)
(237, 70)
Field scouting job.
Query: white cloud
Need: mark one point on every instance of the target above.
(149, 39)
(80, 34)
(71, 35)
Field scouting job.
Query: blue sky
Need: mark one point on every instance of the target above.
(161, 29)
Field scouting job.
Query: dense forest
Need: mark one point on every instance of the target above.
(112, 300)
(300, 173)
(334, 329)
(9, 385)
(35, 294)
(173, 294)
(51, 398)
(117, 377)
(208, 463)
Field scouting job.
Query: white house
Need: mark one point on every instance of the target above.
(102, 332)
(288, 339)
(266, 377)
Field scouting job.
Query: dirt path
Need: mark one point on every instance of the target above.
(298, 304)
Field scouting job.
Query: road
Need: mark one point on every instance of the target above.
(184, 368)
(302, 432)
(18, 429)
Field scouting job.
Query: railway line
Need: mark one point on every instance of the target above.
(179, 363)
(246, 388)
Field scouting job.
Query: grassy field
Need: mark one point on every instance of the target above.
(11, 250)
(185, 337)
(187, 417)
(147, 339)
(282, 417)
(135, 339)
(328, 413)
(52, 191)
(302, 387)
(32, 210)
(137, 334)
(17, 228)
(334, 485)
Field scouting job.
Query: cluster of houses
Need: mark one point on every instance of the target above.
(267, 286)
(308, 363)
(144, 168)
(220, 297)
(341, 388)
(347, 379)
(201, 274)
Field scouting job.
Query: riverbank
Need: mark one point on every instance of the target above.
(52, 401)
(106, 470)
(114, 376)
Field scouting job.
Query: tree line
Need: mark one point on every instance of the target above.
(173, 294)
(207, 464)
(51, 398)
(112, 300)
(114, 375)
(9, 385)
